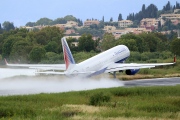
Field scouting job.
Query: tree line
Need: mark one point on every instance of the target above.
(152, 11)
(144, 42)
(44, 46)
(6, 26)
(47, 21)
(21, 45)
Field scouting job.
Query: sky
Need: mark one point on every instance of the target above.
(22, 11)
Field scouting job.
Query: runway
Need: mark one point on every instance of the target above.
(153, 82)
(24, 82)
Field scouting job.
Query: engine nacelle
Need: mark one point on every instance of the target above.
(132, 71)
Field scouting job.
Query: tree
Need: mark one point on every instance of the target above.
(93, 32)
(140, 44)
(111, 19)
(167, 7)
(168, 25)
(120, 17)
(177, 5)
(152, 41)
(80, 23)
(103, 19)
(37, 54)
(1, 43)
(59, 21)
(53, 58)
(93, 26)
(30, 24)
(1, 30)
(159, 26)
(143, 8)
(53, 34)
(130, 43)
(52, 46)
(70, 18)
(41, 38)
(175, 46)
(86, 43)
(8, 26)
(44, 21)
(101, 25)
(108, 41)
(149, 12)
(20, 50)
(8, 44)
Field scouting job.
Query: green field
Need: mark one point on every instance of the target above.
(160, 102)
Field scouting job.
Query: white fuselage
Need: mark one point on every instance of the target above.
(101, 61)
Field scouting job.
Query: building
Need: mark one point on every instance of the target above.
(109, 28)
(62, 26)
(28, 28)
(89, 22)
(76, 37)
(172, 17)
(118, 33)
(149, 23)
(70, 31)
(71, 24)
(176, 11)
(35, 27)
(137, 30)
(124, 23)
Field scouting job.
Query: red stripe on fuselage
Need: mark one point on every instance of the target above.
(66, 59)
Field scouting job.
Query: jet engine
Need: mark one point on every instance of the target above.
(132, 71)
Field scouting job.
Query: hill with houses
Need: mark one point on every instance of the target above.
(149, 19)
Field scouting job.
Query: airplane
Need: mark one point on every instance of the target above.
(109, 61)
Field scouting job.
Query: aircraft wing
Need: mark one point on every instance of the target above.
(39, 66)
(58, 67)
(62, 73)
(125, 66)
(51, 73)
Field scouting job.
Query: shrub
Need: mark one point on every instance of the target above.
(6, 112)
(98, 99)
(0, 57)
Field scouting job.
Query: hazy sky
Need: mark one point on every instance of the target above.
(22, 11)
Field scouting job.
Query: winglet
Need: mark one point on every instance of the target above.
(68, 58)
(174, 58)
(5, 61)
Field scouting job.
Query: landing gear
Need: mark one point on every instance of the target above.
(113, 73)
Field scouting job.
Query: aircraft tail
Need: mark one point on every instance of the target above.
(68, 58)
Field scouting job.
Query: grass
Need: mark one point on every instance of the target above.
(161, 102)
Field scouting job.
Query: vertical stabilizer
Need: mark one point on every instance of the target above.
(68, 58)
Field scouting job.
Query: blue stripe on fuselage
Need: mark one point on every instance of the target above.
(122, 60)
(97, 72)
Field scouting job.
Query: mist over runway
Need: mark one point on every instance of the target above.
(24, 82)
